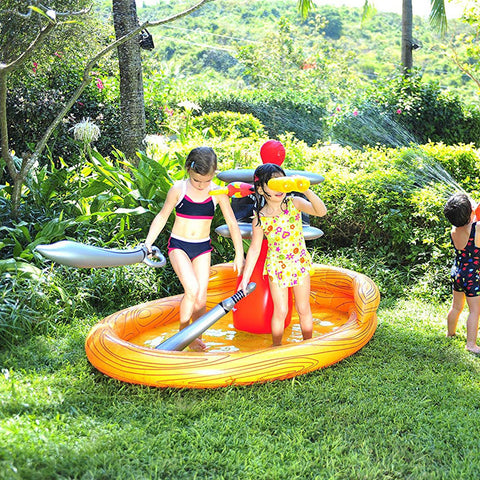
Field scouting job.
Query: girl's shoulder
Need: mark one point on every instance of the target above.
(460, 235)
(261, 212)
(179, 184)
(177, 189)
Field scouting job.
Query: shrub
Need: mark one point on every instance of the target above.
(35, 100)
(278, 112)
(229, 124)
(381, 203)
(404, 111)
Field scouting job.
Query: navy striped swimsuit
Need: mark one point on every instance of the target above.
(188, 208)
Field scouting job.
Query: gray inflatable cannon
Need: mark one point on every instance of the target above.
(243, 207)
(187, 335)
(79, 255)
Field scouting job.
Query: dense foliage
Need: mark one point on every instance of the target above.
(403, 111)
(385, 216)
(264, 60)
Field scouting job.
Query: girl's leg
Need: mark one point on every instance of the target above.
(453, 315)
(186, 273)
(201, 267)
(472, 324)
(280, 310)
(302, 305)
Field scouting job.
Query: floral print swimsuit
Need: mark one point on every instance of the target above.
(465, 275)
(287, 260)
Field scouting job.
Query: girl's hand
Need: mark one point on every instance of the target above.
(149, 249)
(243, 284)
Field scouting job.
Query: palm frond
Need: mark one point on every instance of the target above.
(438, 16)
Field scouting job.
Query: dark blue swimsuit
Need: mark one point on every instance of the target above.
(188, 208)
(465, 275)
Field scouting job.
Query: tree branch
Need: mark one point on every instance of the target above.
(29, 51)
(37, 4)
(178, 15)
(462, 67)
(4, 146)
(29, 160)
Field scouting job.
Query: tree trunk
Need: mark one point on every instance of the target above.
(131, 81)
(407, 41)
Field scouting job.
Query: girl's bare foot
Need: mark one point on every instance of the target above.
(197, 345)
(473, 349)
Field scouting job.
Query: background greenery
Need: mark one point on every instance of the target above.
(391, 151)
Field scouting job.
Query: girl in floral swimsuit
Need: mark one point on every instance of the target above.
(278, 218)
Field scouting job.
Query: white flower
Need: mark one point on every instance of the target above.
(156, 140)
(189, 106)
(86, 131)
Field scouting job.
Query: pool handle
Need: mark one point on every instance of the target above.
(187, 335)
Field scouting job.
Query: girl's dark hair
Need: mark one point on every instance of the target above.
(261, 176)
(202, 160)
(458, 209)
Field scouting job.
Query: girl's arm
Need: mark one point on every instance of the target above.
(313, 205)
(253, 253)
(161, 218)
(232, 224)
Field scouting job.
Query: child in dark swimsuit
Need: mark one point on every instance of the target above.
(189, 246)
(465, 236)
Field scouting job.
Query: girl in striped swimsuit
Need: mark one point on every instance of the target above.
(189, 246)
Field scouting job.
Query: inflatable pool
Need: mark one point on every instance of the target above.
(344, 305)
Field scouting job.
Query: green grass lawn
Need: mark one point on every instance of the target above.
(406, 406)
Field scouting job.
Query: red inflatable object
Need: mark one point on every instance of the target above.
(272, 151)
(477, 212)
(254, 313)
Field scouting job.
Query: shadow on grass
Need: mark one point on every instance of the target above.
(402, 407)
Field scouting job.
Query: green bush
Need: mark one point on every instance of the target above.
(404, 111)
(278, 112)
(35, 100)
(383, 203)
(229, 124)
(35, 302)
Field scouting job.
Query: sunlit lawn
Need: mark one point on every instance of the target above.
(406, 406)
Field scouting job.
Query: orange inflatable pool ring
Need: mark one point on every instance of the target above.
(344, 305)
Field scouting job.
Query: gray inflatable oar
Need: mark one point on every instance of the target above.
(75, 254)
(186, 336)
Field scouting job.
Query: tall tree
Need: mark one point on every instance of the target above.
(131, 80)
(407, 38)
(132, 105)
(438, 19)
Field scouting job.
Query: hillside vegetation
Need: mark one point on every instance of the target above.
(208, 41)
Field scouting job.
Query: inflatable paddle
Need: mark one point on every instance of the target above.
(79, 255)
(187, 335)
